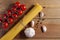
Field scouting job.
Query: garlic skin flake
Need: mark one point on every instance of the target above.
(29, 32)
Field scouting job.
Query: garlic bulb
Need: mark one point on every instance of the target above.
(29, 32)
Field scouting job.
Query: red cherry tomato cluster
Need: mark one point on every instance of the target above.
(12, 14)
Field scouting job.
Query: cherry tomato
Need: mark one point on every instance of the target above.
(23, 7)
(17, 4)
(15, 15)
(20, 12)
(14, 9)
(10, 20)
(5, 16)
(9, 12)
(5, 25)
(0, 20)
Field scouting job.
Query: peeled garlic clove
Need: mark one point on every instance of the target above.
(41, 14)
(44, 29)
(32, 23)
(29, 32)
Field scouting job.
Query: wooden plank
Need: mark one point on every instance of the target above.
(37, 39)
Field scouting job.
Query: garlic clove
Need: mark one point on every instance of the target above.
(44, 28)
(41, 14)
(32, 23)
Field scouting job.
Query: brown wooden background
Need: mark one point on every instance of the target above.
(52, 18)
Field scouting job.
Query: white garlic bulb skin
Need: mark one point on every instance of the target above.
(29, 32)
(44, 28)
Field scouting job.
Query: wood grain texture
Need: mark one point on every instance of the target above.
(52, 21)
